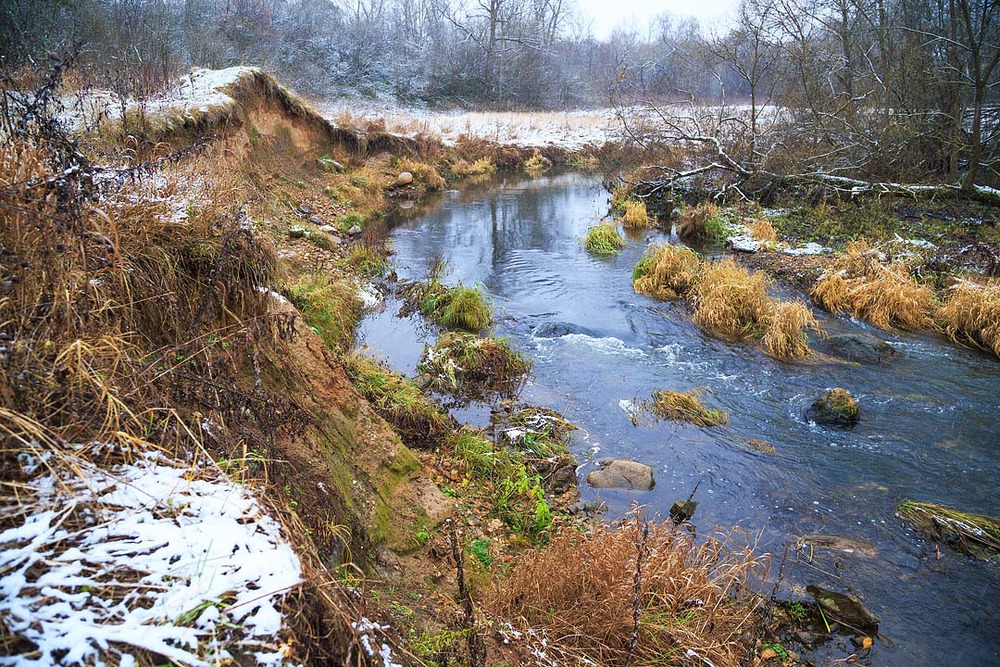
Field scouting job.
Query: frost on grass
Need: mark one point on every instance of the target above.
(151, 558)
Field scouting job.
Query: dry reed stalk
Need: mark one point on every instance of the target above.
(580, 591)
(763, 231)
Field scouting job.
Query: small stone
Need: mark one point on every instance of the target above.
(622, 474)
(354, 231)
(845, 609)
(587, 507)
(862, 348)
(835, 407)
(296, 232)
(683, 510)
(329, 229)
(315, 220)
(404, 178)
(305, 210)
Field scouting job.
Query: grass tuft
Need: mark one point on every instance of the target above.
(665, 272)
(583, 593)
(537, 164)
(762, 230)
(604, 239)
(420, 423)
(331, 307)
(635, 215)
(972, 534)
(467, 365)
(686, 406)
(885, 295)
(732, 303)
(423, 173)
(701, 223)
(971, 314)
(482, 167)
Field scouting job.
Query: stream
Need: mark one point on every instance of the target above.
(928, 428)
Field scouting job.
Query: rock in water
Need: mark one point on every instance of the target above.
(845, 609)
(404, 178)
(683, 510)
(862, 348)
(622, 474)
(834, 408)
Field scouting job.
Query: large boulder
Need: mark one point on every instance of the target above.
(834, 408)
(622, 474)
(862, 348)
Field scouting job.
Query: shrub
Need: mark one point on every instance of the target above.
(604, 239)
(587, 594)
(418, 421)
(971, 314)
(887, 296)
(467, 365)
(331, 307)
(686, 406)
(665, 272)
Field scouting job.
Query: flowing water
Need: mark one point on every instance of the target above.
(928, 429)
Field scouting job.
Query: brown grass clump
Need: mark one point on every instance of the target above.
(885, 295)
(972, 534)
(665, 272)
(700, 223)
(467, 365)
(635, 215)
(537, 164)
(762, 230)
(482, 167)
(590, 594)
(686, 406)
(732, 303)
(971, 314)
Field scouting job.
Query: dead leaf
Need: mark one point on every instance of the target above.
(866, 643)
(768, 654)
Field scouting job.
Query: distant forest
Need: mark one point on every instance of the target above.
(921, 74)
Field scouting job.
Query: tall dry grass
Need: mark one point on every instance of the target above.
(733, 304)
(691, 601)
(665, 272)
(888, 296)
(970, 314)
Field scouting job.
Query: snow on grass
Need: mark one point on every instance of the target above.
(568, 129)
(150, 557)
(200, 90)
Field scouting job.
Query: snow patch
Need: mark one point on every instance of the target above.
(145, 557)
(811, 248)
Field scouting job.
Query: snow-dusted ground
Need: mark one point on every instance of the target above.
(152, 556)
(568, 129)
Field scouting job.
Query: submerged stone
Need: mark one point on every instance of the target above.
(835, 407)
(683, 510)
(862, 348)
(622, 474)
(845, 609)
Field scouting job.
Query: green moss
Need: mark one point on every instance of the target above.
(332, 308)
(418, 421)
(349, 220)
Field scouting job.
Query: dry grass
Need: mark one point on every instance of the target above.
(423, 173)
(686, 406)
(971, 314)
(482, 167)
(665, 272)
(972, 534)
(688, 601)
(732, 303)
(635, 215)
(762, 230)
(330, 307)
(885, 295)
(537, 164)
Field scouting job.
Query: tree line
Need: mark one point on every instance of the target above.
(894, 88)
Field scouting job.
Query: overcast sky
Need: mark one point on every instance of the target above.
(606, 15)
